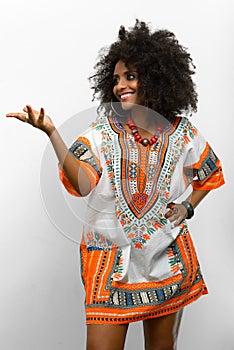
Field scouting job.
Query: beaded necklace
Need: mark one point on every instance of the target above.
(137, 137)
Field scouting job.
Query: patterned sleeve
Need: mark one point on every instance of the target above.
(201, 161)
(83, 151)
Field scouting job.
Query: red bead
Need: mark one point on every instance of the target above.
(137, 137)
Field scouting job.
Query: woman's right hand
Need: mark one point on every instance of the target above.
(37, 119)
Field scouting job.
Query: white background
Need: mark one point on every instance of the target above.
(48, 49)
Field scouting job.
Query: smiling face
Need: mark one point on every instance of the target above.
(126, 86)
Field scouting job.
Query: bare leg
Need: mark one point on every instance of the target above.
(161, 333)
(106, 337)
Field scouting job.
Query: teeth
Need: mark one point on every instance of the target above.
(126, 95)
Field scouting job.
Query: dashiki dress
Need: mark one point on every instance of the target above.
(135, 264)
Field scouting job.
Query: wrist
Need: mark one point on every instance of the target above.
(190, 209)
(49, 131)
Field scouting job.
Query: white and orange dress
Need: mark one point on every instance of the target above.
(135, 264)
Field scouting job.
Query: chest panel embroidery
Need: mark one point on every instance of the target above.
(141, 177)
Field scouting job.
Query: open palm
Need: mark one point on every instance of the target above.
(37, 119)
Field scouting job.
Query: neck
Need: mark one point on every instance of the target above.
(144, 118)
(140, 116)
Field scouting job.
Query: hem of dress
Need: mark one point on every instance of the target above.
(149, 314)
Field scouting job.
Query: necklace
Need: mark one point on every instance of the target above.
(137, 137)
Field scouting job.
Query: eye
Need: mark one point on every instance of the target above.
(131, 76)
(115, 81)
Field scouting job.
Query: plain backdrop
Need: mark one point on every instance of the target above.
(48, 49)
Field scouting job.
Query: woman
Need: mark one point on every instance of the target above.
(135, 162)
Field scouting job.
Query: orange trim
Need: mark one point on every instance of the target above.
(97, 268)
(90, 172)
(202, 158)
(88, 169)
(143, 154)
(146, 285)
(215, 180)
(88, 144)
(106, 315)
(142, 175)
(189, 256)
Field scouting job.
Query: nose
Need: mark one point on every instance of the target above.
(122, 83)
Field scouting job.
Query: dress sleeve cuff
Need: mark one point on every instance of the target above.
(215, 180)
(90, 172)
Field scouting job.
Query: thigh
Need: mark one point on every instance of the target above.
(161, 333)
(106, 337)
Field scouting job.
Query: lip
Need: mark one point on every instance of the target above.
(125, 95)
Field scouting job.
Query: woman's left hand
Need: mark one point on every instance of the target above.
(176, 213)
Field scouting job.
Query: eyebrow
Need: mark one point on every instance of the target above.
(126, 72)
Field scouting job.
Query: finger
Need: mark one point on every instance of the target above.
(173, 213)
(30, 111)
(170, 205)
(175, 210)
(178, 221)
(41, 115)
(34, 111)
(20, 116)
(32, 114)
(182, 216)
(176, 217)
(172, 218)
(175, 221)
(168, 214)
